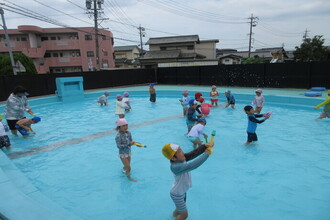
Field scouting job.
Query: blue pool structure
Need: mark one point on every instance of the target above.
(70, 169)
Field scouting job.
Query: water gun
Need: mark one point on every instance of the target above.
(211, 141)
(268, 113)
(212, 136)
(138, 144)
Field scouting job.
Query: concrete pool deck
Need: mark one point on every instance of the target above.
(23, 201)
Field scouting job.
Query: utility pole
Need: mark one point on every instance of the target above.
(142, 34)
(305, 34)
(8, 44)
(253, 23)
(97, 5)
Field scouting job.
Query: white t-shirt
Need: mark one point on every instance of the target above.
(196, 131)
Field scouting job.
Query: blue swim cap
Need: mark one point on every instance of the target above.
(36, 119)
(228, 91)
(152, 84)
(191, 101)
(202, 120)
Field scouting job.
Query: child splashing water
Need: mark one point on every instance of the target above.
(181, 170)
(124, 142)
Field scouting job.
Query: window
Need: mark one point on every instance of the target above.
(52, 38)
(227, 60)
(58, 38)
(162, 48)
(78, 54)
(44, 38)
(88, 37)
(18, 39)
(105, 53)
(55, 54)
(104, 37)
(90, 53)
(47, 55)
(73, 54)
(23, 39)
(112, 41)
(190, 47)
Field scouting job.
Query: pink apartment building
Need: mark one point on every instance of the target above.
(58, 50)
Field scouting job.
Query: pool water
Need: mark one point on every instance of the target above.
(285, 175)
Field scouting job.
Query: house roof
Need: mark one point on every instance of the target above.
(173, 39)
(171, 54)
(125, 48)
(162, 54)
(231, 56)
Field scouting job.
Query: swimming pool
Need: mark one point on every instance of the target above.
(286, 175)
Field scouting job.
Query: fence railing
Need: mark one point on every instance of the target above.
(282, 75)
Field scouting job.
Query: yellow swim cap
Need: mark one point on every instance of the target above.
(0, 116)
(169, 150)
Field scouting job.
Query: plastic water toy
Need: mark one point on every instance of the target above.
(313, 94)
(268, 113)
(205, 108)
(212, 136)
(138, 144)
(318, 88)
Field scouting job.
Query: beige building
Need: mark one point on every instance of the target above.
(179, 51)
(126, 56)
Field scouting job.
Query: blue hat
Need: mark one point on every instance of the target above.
(191, 101)
(36, 119)
(202, 120)
(228, 91)
(152, 84)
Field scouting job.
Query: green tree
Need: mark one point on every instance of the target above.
(6, 68)
(255, 59)
(311, 49)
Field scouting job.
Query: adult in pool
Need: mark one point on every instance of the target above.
(16, 106)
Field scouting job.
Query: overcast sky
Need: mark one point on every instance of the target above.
(278, 22)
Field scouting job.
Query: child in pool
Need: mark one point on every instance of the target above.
(191, 114)
(181, 170)
(185, 102)
(326, 110)
(127, 101)
(230, 99)
(252, 123)
(120, 106)
(103, 99)
(4, 139)
(198, 96)
(124, 142)
(152, 92)
(24, 125)
(196, 132)
(214, 96)
(259, 101)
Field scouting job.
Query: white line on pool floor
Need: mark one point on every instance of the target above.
(79, 140)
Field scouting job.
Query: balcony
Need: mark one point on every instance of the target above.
(63, 61)
(60, 44)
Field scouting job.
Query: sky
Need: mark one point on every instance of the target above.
(276, 23)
